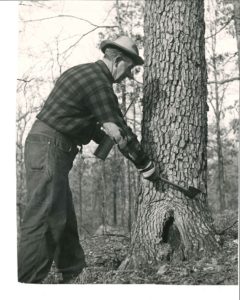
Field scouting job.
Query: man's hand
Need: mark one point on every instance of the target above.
(149, 172)
(114, 132)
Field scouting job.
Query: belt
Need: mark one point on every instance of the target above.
(60, 140)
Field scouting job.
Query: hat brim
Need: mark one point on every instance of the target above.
(109, 44)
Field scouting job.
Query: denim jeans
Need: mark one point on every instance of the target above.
(49, 228)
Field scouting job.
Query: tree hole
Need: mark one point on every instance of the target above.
(171, 234)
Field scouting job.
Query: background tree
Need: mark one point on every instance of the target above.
(127, 13)
(222, 75)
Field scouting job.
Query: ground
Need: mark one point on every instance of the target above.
(105, 253)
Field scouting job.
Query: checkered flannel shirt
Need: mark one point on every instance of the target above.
(81, 101)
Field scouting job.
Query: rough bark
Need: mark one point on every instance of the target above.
(129, 198)
(217, 111)
(103, 200)
(80, 202)
(174, 134)
(115, 179)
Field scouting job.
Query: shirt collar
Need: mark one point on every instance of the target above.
(105, 70)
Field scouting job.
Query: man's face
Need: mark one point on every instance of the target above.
(122, 69)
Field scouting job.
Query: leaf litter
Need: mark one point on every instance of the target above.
(104, 254)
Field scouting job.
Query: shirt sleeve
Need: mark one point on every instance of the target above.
(134, 152)
(103, 104)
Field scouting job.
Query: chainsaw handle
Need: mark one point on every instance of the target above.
(104, 148)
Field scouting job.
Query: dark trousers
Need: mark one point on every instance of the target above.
(49, 229)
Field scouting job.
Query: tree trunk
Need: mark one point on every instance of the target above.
(124, 167)
(80, 200)
(236, 5)
(115, 176)
(221, 180)
(103, 203)
(129, 198)
(174, 134)
(217, 112)
(21, 184)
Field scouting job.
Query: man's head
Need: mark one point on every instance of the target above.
(121, 56)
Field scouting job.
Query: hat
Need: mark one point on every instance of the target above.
(126, 45)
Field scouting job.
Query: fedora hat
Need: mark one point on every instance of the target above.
(126, 45)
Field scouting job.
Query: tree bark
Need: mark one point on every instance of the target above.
(174, 134)
(115, 176)
(217, 112)
(236, 6)
(20, 170)
(129, 198)
(103, 202)
(80, 200)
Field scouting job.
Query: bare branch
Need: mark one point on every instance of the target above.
(131, 120)
(108, 14)
(119, 18)
(213, 107)
(229, 58)
(211, 102)
(22, 4)
(224, 230)
(224, 81)
(224, 26)
(224, 89)
(24, 80)
(23, 116)
(33, 110)
(68, 16)
(74, 44)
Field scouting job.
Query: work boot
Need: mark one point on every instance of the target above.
(68, 279)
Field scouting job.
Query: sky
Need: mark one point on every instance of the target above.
(36, 35)
(10, 66)
(37, 39)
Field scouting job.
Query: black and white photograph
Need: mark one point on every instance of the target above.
(127, 144)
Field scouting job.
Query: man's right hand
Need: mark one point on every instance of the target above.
(114, 132)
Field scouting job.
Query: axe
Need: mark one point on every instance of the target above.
(190, 192)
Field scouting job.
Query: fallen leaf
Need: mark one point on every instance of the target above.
(162, 270)
(219, 268)
(208, 269)
(214, 261)
(184, 272)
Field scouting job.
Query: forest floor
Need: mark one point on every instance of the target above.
(104, 253)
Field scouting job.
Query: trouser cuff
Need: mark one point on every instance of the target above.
(74, 270)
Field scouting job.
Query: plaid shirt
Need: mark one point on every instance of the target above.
(81, 101)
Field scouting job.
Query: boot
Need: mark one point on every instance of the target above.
(68, 278)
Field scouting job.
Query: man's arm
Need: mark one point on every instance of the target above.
(104, 105)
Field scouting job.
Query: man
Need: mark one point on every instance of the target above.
(80, 104)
